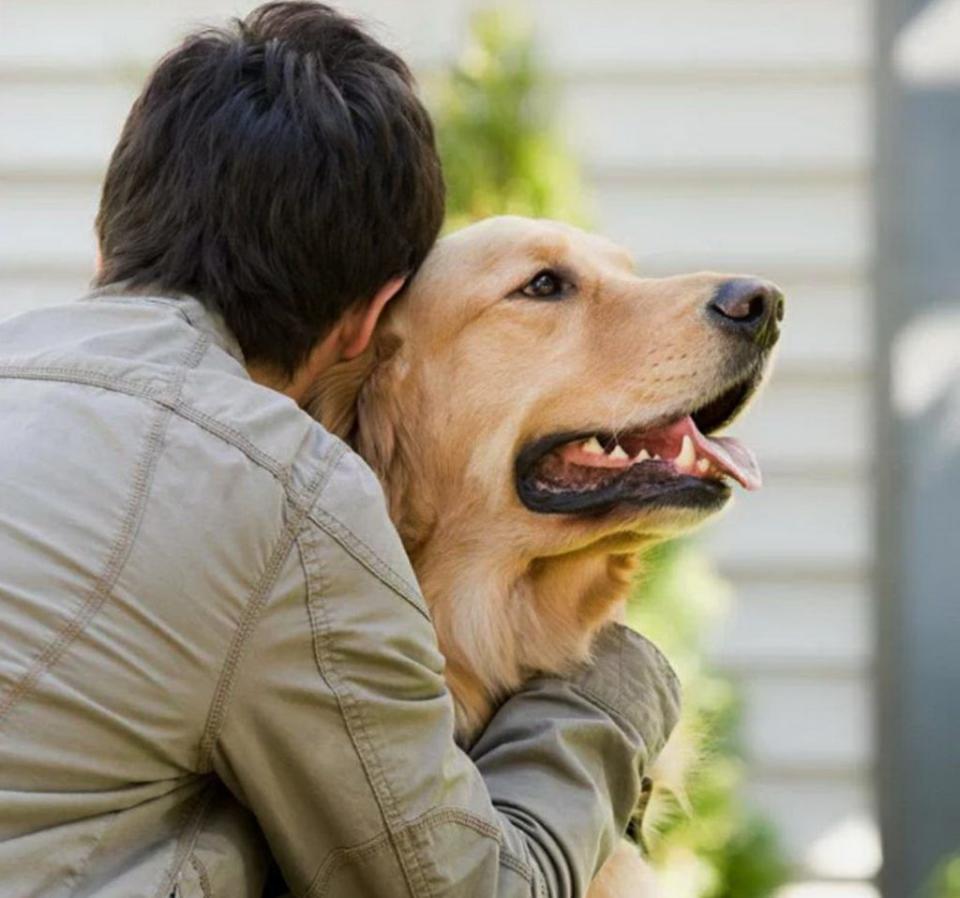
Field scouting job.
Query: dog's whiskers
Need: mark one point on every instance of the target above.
(617, 429)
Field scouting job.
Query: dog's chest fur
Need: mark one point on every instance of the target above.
(498, 627)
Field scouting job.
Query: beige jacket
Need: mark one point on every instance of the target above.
(213, 649)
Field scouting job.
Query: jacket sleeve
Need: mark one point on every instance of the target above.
(339, 737)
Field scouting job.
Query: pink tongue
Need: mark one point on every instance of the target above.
(726, 453)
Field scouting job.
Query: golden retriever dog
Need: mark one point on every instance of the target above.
(539, 414)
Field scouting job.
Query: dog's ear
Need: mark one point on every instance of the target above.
(334, 397)
(360, 401)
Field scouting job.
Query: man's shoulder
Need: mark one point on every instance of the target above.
(172, 353)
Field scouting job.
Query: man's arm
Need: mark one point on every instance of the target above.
(339, 737)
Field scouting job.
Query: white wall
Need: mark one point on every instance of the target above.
(731, 134)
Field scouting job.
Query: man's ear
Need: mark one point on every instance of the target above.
(358, 324)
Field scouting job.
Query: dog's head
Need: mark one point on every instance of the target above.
(531, 378)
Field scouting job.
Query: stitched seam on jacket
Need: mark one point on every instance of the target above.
(131, 388)
(338, 858)
(193, 816)
(119, 552)
(82, 376)
(341, 856)
(368, 557)
(354, 721)
(507, 857)
(202, 876)
(252, 611)
(236, 439)
(518, 866)
(602, 703)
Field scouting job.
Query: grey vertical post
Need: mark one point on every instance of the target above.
(918, 478)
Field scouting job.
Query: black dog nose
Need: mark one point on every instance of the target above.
(749, 308)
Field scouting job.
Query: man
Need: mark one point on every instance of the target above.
(214, 651)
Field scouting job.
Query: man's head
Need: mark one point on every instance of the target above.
(283, 171)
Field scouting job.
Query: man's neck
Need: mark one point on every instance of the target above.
(299, 385)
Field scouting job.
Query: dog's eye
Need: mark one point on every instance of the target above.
(545, 285)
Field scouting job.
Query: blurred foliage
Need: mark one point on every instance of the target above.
(502, 155)
(946, 879)
(714, 848)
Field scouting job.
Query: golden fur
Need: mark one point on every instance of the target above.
(461, 375)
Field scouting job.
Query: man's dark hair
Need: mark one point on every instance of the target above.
(280, 171)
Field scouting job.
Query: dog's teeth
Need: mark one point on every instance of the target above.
(703, 465)
(618, 453)
(656, 457)
(592, 446)
(687, 455)
(642, 455)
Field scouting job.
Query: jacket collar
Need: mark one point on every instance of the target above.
(199, 316)
(210, 323)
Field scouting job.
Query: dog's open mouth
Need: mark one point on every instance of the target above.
(673, 462)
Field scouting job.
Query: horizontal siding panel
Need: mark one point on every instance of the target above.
(101, 38)
(796, 523)
(716, 223)
(47, 223)
(808, 424)
(20, 294)
(61, 126)
(75, 123)
(575, 35)
(780, 623)
(742, 35)
(111, 35)
(817, 814)
(828, 325)
(806, 722)
(764, 124)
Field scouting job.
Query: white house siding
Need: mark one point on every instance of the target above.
(729, 134)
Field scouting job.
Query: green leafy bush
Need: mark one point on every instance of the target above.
(501, 155)
(715, 847)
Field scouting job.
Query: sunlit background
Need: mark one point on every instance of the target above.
(761, 136)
